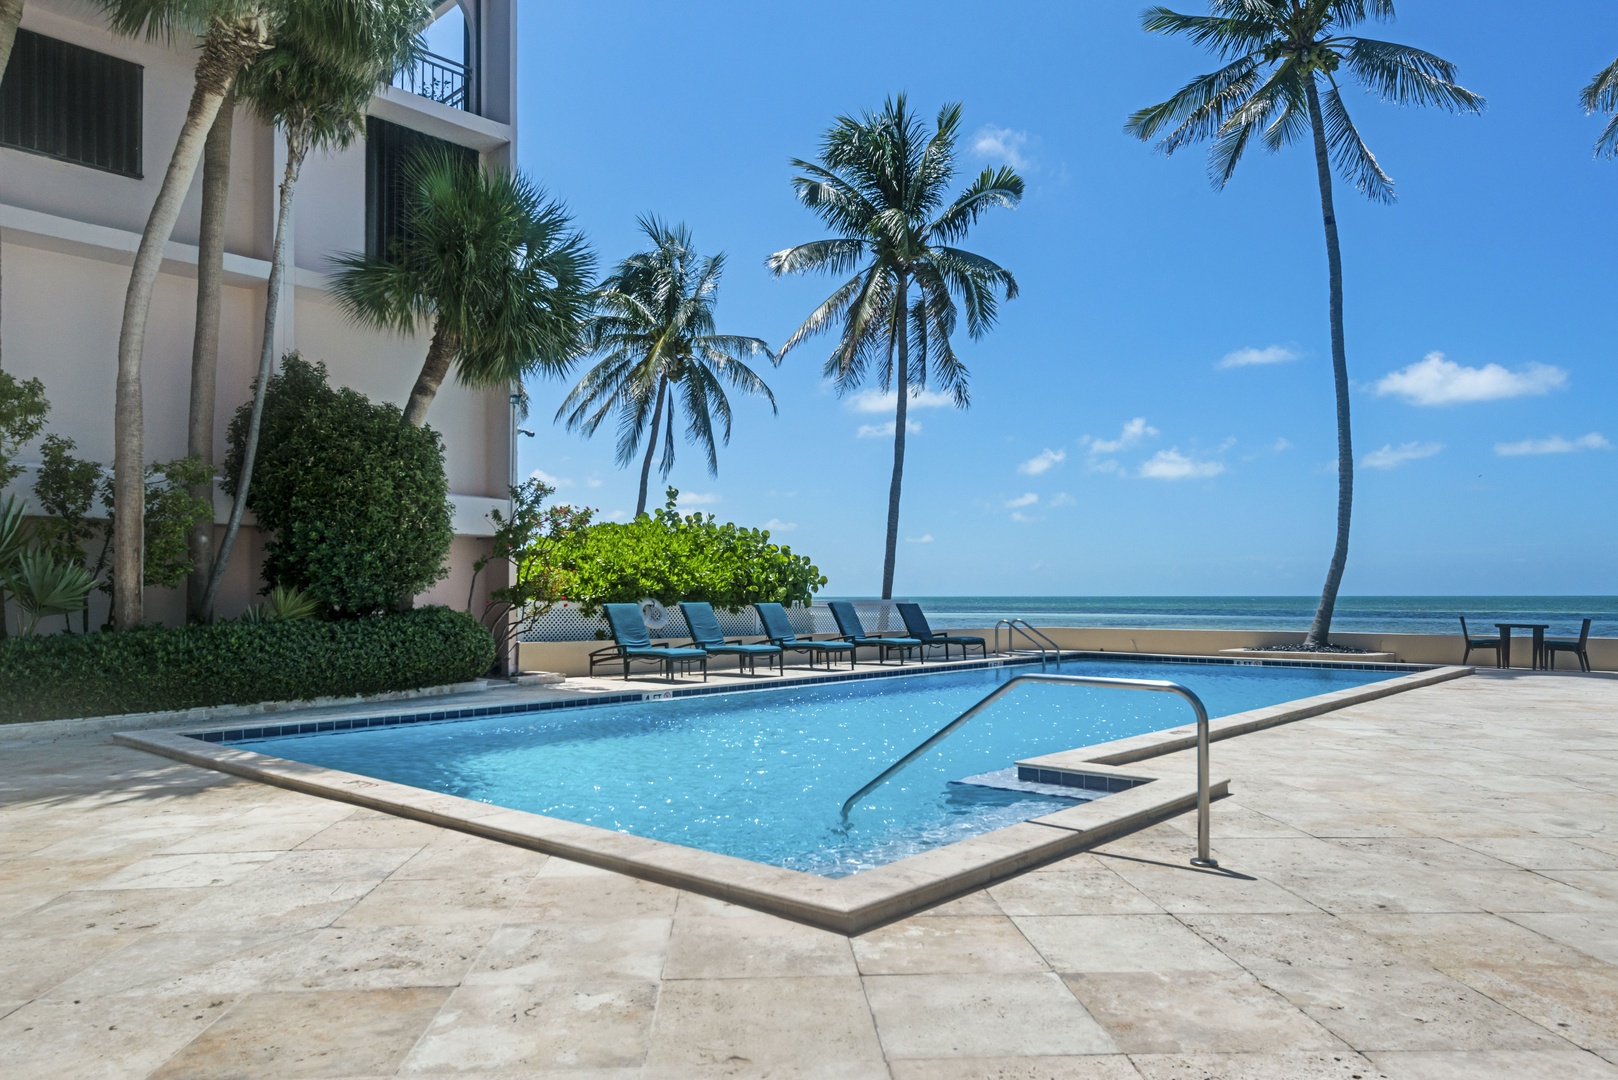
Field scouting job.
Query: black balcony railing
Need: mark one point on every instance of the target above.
(439, 78)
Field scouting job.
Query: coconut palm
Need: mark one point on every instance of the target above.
(655, 332)
(881, 184)
(1280, 83)
(495, 265)
(1602, 96)
(329, 58)
(232, 33)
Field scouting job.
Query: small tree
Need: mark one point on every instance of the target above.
(496, 267)
(356, 503)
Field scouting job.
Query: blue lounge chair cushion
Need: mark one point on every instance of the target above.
(848, 621)
(706, 633)
(917, 626)
(778, 628)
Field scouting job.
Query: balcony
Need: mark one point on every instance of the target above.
(440, 79)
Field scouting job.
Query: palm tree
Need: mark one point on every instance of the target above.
(1602, 96)
(495, 265)
(205, 345)
(880, 184)
(654, 326)
(232, 33)
(1280, 81)
(329, 58)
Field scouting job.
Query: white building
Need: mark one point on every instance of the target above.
(78, 177)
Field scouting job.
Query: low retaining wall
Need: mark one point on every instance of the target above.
(573, 657)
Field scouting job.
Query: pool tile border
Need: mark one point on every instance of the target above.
(849, 905)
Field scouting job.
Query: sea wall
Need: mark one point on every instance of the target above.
(573, 657)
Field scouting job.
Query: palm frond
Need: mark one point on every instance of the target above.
(1201, 107)
(1601, 95)
(993, 187)
(837, 255)
(1242, 29)
(1409, 76)
(1253, 114)
(1349, 152)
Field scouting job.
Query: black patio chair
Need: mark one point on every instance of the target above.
(1577, 648)
(1478, 643)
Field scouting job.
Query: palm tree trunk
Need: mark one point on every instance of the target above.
(297, 147)
(205, 346)
(901, 384)
(1320, 629)
(225, 49)
(433, 371)
(10, 16)
(651, 444)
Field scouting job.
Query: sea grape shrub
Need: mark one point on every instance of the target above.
(356, 502)
(672, 557)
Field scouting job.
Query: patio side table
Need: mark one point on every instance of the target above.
(1538, 629)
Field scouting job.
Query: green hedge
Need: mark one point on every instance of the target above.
(153, 668)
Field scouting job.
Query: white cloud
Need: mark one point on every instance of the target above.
(878, 431)
(1281, 445)
(1553, 445)
(616, 515)
(700, 498)
(1028, 499)
(594, 482)
(924, 538)
(1250, 357)
(1019, 516)
(875, 401)
(1173, 465)
(1435, 380)
(1061, 498)
(1391, 457)
(1002, 144)
(546, 478)
(1132, 434)
(776, 525)
(1042, 462)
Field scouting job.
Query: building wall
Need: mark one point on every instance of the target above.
(67, 237)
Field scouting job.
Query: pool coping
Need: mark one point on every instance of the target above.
(848, 905)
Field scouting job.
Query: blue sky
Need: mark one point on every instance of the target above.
(1124, 437)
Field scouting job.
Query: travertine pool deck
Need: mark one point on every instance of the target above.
(1421, 886)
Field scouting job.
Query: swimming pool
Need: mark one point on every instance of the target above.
(761, 774)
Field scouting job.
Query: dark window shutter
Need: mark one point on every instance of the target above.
(388, 147)
(72, 103)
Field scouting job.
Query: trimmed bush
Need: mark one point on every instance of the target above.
(153, 669)
(356, 501)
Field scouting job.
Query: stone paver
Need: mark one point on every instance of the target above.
(1417, 888)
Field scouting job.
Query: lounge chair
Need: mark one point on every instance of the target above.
(632, 641)
(853, 631)
(1577, 648)
(707, 635)
(1477, 643)
(778, 630)
(916, 625)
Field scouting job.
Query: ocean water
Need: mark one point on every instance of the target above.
(762, 774)
(1354, 614)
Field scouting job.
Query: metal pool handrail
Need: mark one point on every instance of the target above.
(1035, 638)
(1162, 686)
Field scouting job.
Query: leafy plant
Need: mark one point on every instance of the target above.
(12, 538)
(22, 417)
(235, 663)
(671, 557)
(44, 585)
(531, 540)
(356, 502)
(282, 605)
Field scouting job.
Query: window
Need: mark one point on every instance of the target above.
(72, 103)
(388, 147)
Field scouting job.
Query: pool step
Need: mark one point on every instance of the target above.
(1008, 780)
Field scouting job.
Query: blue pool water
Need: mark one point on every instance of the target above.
(761, 775)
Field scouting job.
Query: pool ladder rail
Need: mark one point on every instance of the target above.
(1159, 686)
(1047, 649)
